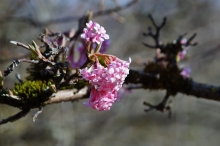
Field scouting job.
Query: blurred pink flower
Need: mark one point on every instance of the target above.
(81, 49)
(182, 54)
(183, 41)
(186, 72)
(106, 82)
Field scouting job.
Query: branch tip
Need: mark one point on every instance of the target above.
(14, 42)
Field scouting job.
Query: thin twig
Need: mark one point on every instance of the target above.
(156, 35)
(15, 117)
(37, 113)
(15, 63)
(18, 77)
(161, 106)
(33, 22)
(28, 61)
(20, 44)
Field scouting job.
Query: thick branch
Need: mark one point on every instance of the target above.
(205, 91)
(184, 86)
(8, 100)
(67, 95)
(187, 86)
(60, 96)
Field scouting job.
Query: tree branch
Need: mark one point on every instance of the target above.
(184, 86)
(33, 22)
(67, 95)
(188, 87)
(60, 96)
(15, 117)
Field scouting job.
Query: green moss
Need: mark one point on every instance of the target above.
(33, 91)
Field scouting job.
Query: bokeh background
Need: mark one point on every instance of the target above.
(194, 121)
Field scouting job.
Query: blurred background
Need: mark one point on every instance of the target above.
(194, 121)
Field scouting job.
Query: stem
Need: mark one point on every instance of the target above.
(98, 48)
(89, 47)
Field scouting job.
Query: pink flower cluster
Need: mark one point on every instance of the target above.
(181, 55)
(183, 41)
(105, 81)
(186, 72)
(94, 32)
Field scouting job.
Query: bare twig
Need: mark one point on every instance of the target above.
(16, 7)
(15, 63)
(33, 22)
(37, 113)
(18, 77)
(15, 117)
(20, 44)
(117, 17)
(162, 106)
(11, 57)
(11, 67)
(189, 41)
(109, 11)
(156, 35)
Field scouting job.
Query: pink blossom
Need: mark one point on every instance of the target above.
(87, 35)
(186, 72)
(100, 100)
(90, 25)
(88, 32)
(94, 32)
(105, 81)
(183, 41)
(182, 54)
